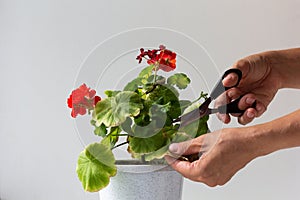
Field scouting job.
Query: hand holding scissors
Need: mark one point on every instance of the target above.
(219, 89)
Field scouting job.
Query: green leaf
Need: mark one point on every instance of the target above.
(181, 80)
(95, 166)
(158, 120)
(181, 137)
(148, 144)
(112, 138)
(143, 118)
(113, 111)
(158, 109)
(164, 94)
(133, 85)
(111, 93)
(146, 131)
(158, 154)
(202, 126)
(196, 128)
(173, 90)
(184, 104)
(168, 132)
(159, 79)
(158, 115)
(146, 72)
(191, 107)
(100, 130)
(126, 126)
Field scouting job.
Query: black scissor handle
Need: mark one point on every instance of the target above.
(219, 88)
(233, 107)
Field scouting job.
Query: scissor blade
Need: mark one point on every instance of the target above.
(191, 117)
(195, 114)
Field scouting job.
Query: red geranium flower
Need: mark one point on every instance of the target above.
(81, 100)
(167, 60)
(164, 58)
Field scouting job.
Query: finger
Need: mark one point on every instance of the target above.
(233, 93)
(225, 118)
(248, 116)
(230, 80)
(222, 100)
(187, 169)
(243, 65)
(188, 147)
(260, 108)
(191, 171)
(251, 113)
(246, 101)
(225, 98)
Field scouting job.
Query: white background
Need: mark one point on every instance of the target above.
(43, 43)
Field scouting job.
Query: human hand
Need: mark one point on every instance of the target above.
(259, 83)
(231, 152)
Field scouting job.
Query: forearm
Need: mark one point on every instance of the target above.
(278, 134)
(287, 63)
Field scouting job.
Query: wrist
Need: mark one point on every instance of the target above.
(261, 140)
(278, 134)
(252, 140)
(274, 61)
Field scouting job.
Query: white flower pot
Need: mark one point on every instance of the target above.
(143, 182)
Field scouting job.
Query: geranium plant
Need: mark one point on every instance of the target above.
(145, 112)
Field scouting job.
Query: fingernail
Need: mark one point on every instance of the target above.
(250, 114)
(170, 159)
(250, 100)
(173, 148)
(259, 108)
(230, 77)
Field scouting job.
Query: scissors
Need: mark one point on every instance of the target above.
(204, 110)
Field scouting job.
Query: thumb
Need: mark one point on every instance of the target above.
(230, 80)
(243, 65)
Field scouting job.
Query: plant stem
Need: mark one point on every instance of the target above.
(153, 88)
(119, 134)
(143, 159)
(194, 101)
(202, 95)
(120, 145)
(155, 73)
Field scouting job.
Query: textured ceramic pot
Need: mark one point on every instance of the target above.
(143, 182)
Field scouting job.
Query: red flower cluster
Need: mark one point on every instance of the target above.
(81, 100)
(164, 58)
